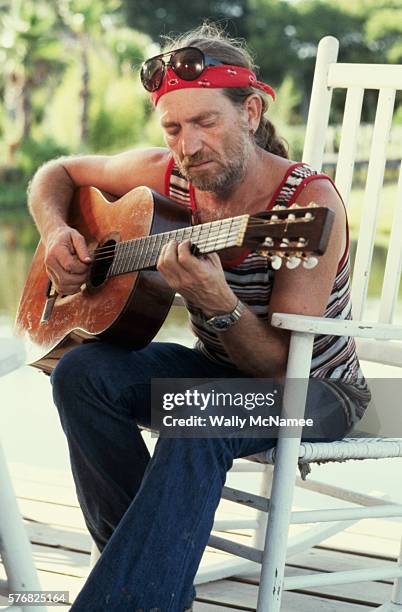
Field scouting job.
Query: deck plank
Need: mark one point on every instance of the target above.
(231, 593)
(56, 536)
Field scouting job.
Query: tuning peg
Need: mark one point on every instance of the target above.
(290, 218)
(308, 216)
(274, 219)
(301, 242)
(309, 262)
(284, 242)
(276, 261)
(292, 262)
(268, 242)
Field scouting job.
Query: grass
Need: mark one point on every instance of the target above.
(386, 211)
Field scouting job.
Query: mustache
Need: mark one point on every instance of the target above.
(197, 158)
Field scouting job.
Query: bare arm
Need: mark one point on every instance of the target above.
(50, 192)
(53, 184)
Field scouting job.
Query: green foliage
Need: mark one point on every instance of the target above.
(398, 116)
(34, 153)
(153, 135)
(384, 28)
(177, 16)
(285, 109)
(118, 122)
(30, 50)
(270, 27)
(129, 48)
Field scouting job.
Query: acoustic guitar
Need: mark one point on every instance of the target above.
(125, 299)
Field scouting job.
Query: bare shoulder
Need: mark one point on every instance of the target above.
(322, 192)
(121, 172)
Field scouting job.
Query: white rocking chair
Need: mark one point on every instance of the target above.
(15, 547)
(379, 342)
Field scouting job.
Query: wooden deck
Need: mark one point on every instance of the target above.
(61, 547)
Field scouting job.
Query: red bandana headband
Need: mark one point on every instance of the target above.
(213, 77)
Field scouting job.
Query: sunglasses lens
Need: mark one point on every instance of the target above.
(152, 73)
(188, 64)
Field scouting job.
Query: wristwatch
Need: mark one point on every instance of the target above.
(224, 321)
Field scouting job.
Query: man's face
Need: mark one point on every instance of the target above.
(208, 136)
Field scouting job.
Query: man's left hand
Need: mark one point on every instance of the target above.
(200, 280)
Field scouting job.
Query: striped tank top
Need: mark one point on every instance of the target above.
(252, 279)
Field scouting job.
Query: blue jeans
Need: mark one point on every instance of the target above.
(150, 517)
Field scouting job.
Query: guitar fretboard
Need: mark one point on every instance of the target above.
(143, 253)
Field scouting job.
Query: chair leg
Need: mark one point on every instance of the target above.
(274, 555)
(262, 517)
(15, 547)
(283, 484)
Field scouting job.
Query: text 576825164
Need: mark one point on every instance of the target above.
(37, 598)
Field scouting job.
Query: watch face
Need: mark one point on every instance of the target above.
(222, 323)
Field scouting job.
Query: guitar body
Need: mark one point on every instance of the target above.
(126, 309)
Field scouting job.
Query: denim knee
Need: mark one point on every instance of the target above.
(72, 367)
(78, 376)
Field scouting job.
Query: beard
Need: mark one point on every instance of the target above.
(232, 164)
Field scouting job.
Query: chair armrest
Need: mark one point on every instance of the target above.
(337, 327)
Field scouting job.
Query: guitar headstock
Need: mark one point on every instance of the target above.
(292, 234)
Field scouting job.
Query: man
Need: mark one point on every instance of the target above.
(152, 517)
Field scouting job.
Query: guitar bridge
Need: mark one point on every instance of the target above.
(51, 295)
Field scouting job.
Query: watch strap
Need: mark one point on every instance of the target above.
(223, 322)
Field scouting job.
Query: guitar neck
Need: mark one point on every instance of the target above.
(142, 253)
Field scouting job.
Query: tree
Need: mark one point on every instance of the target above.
(32, 58)
(86, 22)
(97, 25)
(270, 26)
(177, 16)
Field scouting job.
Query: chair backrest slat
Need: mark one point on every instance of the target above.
(368, 76)
(348, 144)
(393, 266)
(320, 104)
(375, 178)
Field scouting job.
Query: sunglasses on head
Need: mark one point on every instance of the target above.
(188, 63)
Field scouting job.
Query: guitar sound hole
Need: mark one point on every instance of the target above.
(103, 260)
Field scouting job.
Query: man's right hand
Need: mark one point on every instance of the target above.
(67, 260)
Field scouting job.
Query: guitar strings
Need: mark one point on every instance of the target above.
(205, 227)
(209, 242)
(141, 241)
(253, 222)
(215, 243)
